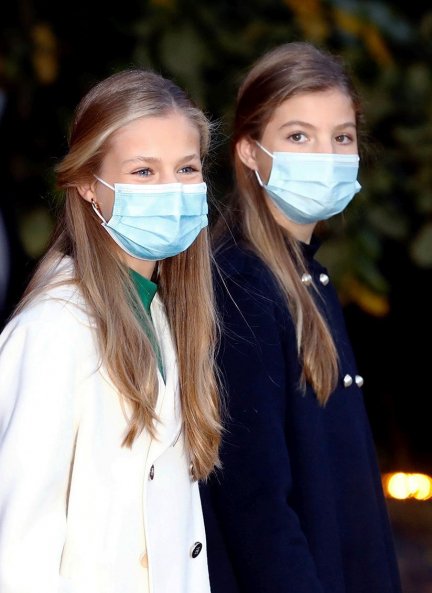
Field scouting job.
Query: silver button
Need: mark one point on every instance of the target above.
(359, 380)
(151, 473)
(306, 279)
(192, 471)
(196, 549)
(347, 381)
(324, 279)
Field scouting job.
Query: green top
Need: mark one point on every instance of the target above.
(146, 291)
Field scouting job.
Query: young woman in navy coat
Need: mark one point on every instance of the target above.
(298, 506)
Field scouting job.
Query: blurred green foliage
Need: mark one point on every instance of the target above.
(50, 56)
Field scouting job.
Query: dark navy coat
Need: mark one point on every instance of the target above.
(298, 506)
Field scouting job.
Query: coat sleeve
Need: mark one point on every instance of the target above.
(38, 366)
(251, 494)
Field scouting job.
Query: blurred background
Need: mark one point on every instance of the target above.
(379, 253)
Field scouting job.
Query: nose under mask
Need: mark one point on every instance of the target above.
(309, 187)
(153, 222)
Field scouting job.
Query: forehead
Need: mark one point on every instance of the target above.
(320, 108)
(155, 134)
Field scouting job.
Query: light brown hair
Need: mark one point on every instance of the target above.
(288, 70)
(184, 281)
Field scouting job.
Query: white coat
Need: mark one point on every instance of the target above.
(77, 510)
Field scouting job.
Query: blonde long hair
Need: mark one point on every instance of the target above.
(288, 70)
(185, 284)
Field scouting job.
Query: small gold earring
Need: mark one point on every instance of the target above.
(97, 209)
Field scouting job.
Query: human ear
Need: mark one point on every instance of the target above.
(87, 191)
(246, 150)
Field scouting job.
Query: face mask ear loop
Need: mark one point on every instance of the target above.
(96, 209)
(264, 149)
(270, 155)
(259, 178)
(104, 182)
(94, 204)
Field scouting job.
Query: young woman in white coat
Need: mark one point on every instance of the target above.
(108, 401)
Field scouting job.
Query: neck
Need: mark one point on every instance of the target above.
(302, 232)
(142, 266)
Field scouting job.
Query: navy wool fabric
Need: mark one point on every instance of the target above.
(298, 506)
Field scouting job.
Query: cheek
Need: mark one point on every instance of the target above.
(264, 163)
(107, 208)
(105, 200)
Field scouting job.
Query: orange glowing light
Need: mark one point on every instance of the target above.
(401, 485)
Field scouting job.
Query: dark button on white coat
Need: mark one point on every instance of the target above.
(196, 549)
(152, 472)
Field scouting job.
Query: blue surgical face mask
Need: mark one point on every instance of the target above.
(157, 221)
(309, 187)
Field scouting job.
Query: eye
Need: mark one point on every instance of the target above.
(344, 138)
(145, 172)
(188, 169)
(298, 137)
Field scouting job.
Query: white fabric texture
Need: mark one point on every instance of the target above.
(73, 501)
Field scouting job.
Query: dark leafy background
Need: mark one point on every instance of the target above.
(379, 253)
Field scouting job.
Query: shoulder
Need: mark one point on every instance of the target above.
(57, 308)
(246, 291)
(235, 260)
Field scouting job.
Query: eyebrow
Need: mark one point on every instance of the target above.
(305, 124)
(152, 159)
